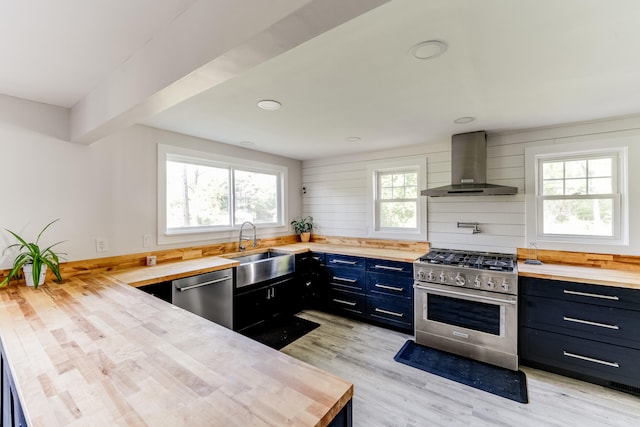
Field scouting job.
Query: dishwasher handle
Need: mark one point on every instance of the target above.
(210, 282)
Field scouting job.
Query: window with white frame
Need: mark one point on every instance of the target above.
(398, 210)
(200, 193)
(397, 199)
(579, 196)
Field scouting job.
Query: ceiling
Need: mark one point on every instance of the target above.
(509, 64)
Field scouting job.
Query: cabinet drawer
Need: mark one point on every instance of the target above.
(599, 360)
(595, 322)
(391, 267)
(609, 296)
(345, 261)
(348, 302)
(390, 310)
(387, 284)
(346, 278)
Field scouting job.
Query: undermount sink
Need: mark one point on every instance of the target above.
(263, 266)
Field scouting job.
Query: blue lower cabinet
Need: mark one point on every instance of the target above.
(380, 291)
(347, 302)
(12, 414)
(602, 363)
(344, 417)
(396, 312)
(581, 330)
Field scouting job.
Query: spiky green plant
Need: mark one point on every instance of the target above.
(31, 253)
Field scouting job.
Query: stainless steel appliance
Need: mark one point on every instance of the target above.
(469, 169)
(208, 295)
(467, 303)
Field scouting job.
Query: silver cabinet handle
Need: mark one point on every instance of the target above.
(586, 294)
(344, 279)
(339, 261)
(390, 288)
(588, 322)
(340, 301)
(211, 282)
(386, 267)
(392, 313)
(590, 359)
(469, 296)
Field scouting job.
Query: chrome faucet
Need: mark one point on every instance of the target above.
(242, 239)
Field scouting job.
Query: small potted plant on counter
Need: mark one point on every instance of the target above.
(33, 261)
(303, 227)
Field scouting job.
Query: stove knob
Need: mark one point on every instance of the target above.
(505, 285)
(431, 277)
(460, 280)
(490, 283)
(477, 282)
(421, 275)
(443, 278)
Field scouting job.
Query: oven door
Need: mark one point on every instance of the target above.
(477, 324)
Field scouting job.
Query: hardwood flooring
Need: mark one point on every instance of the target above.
(388, 393)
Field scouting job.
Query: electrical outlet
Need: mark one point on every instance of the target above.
(146, 240)
(101, 244)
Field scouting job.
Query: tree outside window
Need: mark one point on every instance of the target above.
(578, 196)
(397, 199)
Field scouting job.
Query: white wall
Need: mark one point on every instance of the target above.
(336, 190)
(107, 189)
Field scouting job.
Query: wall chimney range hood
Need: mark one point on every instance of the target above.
(469, 169)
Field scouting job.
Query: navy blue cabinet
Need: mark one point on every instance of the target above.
(377, 290)
(311, 276)
(585, 331)
(346, 282)
(390, 293)
(12, 414)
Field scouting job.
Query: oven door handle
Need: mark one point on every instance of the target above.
(462, 294)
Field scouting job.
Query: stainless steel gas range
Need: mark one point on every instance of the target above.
(467, 303)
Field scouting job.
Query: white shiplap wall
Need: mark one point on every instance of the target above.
(336, 189)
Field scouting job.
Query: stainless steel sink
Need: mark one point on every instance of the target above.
(263, 266)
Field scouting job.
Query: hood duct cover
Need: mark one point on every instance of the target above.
(469, 169)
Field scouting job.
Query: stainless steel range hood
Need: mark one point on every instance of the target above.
(469, 169)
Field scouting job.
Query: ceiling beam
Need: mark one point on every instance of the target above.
(208, 44)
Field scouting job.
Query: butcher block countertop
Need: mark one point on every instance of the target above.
(93, 351)
(592, 275)
(140, 276)
(389, 254)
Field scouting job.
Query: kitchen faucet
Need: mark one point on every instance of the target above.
(241, 239)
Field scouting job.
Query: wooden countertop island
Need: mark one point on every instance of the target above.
(94, 351)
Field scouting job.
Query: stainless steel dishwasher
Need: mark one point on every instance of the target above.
(208, 295)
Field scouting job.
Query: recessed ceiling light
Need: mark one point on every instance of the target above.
(463, 120)
(246, 144)
(269, 104)
(428, 49)
(353, 139)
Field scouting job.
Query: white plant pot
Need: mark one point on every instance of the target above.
(28, 275)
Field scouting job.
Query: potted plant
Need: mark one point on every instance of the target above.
(303, 227)
(33, 261)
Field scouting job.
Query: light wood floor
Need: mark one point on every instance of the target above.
(388, 393)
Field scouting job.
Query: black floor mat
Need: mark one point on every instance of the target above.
(281, 331)
(493, 379)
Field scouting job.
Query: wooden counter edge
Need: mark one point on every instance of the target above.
(565, 273)
(341, 404)
(141, 276)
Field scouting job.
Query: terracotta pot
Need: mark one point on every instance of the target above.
(304, 237)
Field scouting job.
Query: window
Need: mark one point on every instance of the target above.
(397, 199)
(201, 193)
(579, 196)
(397, 209)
